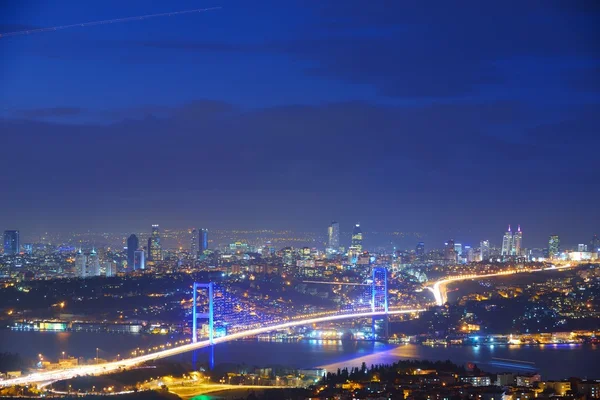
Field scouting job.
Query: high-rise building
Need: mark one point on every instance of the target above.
(517, 242)
(449, 251)
(458, 249)
(507, 242)
(81, 264)
(582, 247)
(468, 254)
(194, 243)
(553, 246)
(420, 251)
(93, 264)
(356, 245)
(132, 245)
(110, 268)
(484, 249)
(333, 238)
(357, 238)
(203, 240)
(139, 260)
(11, 242)
(154, 248)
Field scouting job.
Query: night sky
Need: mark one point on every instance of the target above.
(453, 119)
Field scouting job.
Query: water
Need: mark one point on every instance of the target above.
(553, 362)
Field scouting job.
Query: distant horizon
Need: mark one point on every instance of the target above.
(406, 240)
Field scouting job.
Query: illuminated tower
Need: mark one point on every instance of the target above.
(356, 246)
(132, 245)
(81, 264)
(517, 242)
(484, 248)
(420, 251)
(553, 247)
(154, 249)
(595, 245)
(93, 264)
(194, 243)
(203, 240)
(333, 238)
(507, 242)
(139, 260)
(11, 242)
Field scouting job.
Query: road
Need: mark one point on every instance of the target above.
(99, 369)
(440, 292)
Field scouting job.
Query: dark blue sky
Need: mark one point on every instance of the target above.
(449, 118)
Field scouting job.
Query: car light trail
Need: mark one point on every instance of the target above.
(51, 376)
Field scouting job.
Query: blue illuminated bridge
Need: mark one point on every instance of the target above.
(230, 317)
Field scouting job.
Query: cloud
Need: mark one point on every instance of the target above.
(51, 112)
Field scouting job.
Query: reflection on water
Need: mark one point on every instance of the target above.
(554, 362)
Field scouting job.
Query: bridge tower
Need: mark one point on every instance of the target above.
(379, 298)
(209, 287)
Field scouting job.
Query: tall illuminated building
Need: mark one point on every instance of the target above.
(420, 251)
(194, 243)
(11, 242)
(154, 249)
(484, 249)
(139, 260)
(93, 264)
(132, 245)
(203, 240)
(357, 238)
(458, 249)
(81, 264)
(450, 251)
(333, 237)
(553, 246)
(507, 243)
(110, 269)
(517, 243)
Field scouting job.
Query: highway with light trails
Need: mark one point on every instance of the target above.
(45, 378)
(440, 292)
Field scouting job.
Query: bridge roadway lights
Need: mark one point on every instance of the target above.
(209, 315)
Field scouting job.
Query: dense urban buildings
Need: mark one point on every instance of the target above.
(11, 242)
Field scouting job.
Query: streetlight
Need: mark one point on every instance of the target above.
(63, 354)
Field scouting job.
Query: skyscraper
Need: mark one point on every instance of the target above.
(132, 245)
(517, 242)
(450, 251)
(420, 251)
(333, 238)
(194, 243)
(11, 242)
(484, 249)
(553, 246)
(357, 238)
(507, 242)
(203, 240)
(139, 260)
(110, 268)
(93, 264)
(154, 249)
(81, 264)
